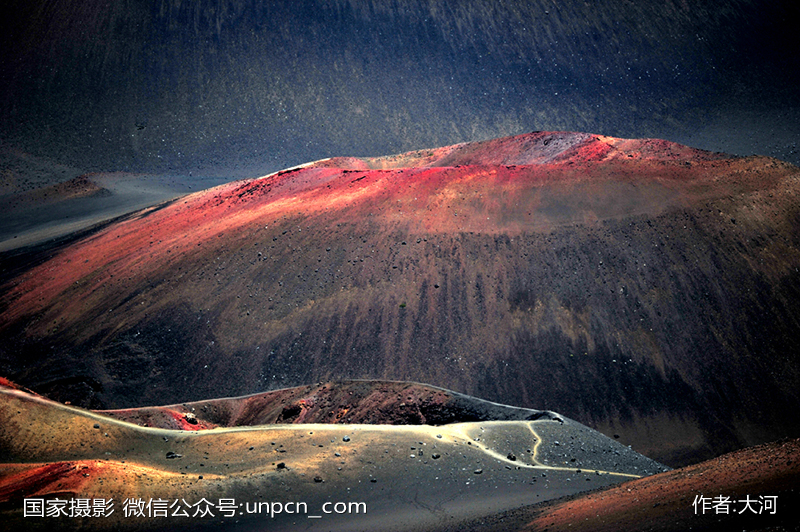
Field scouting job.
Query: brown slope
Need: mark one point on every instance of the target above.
(362, 402)
(665, 502)
(644, 288)
(78, 187)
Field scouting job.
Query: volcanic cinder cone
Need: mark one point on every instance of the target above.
(644, 288)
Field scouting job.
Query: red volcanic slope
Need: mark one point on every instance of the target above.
(644, 288)
(664, 502)
(427, 185)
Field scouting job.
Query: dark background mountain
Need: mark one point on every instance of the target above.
(255, 86)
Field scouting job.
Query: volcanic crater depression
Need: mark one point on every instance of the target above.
(644, 288)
